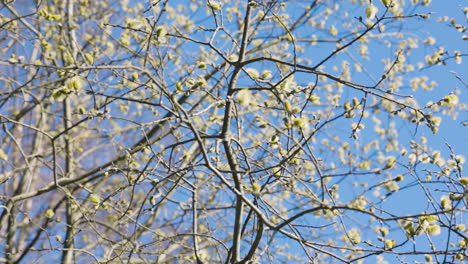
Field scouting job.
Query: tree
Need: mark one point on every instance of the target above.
(232, 132)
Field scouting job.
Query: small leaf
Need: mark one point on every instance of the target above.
(386, 2)
(445, 202)
(74, 83)
(201, 81)
(153, 200)
(371, 11)
(94, 198)
(390, 162)
(49, 213)
(253, 73)
(399, 178)
(333, 31)
(287, 106)
(390, 243)
(364, 165)
(461, 227)
(179, 86)
(60, 94)
(450, 100)
(426, 2)
(201, 65)
(161, 31)
(299, 122)
(383, 231)
(82, 110)
(233, 58)
(190, 82)
(266, 75)
(3, 155)
(315, 99)
(214, 5)
(347, 106)
(244, 97)
(433, 230)
(463, 181)
(256, 187)
(89, 57)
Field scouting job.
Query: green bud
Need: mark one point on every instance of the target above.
(49, 213)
